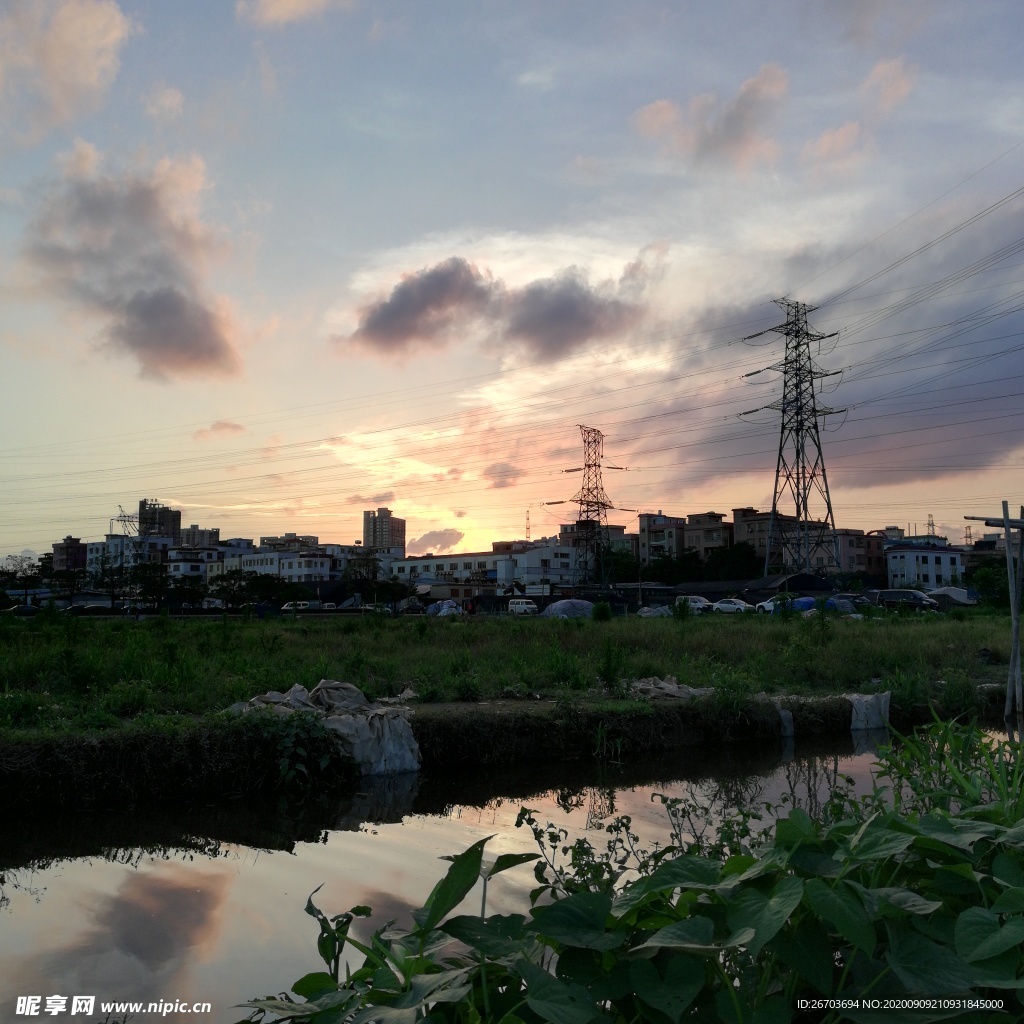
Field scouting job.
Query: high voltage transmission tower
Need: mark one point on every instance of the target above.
(800, 477)
(592, 521)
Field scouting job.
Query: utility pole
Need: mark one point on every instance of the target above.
(592, 521)
(800, 469)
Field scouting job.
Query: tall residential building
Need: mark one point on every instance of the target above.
(69, 554)
(384, 532)
(194, 537)
(156, 520)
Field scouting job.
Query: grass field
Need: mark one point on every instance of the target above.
(71, 674)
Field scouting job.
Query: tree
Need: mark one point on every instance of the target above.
(23, 573)
(68, 582)
(150, 582)
(233, 587)
(110, 575)
(739, 562)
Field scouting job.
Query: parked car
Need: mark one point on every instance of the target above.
(295, 606)
(698, 605)
(328, 606)
(907, 599)
(522, 606)
(770, 606)
(729, 605)
(857, 600)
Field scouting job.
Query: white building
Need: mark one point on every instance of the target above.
(923, 567)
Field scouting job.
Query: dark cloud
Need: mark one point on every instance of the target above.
(434, 540)
(502, 474)
(132, 251)
(142, 937)
(424, 306)
(548, 318)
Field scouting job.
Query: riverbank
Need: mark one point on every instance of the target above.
(176, 759)
(123, 712)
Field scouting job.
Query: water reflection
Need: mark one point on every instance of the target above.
(205, 902)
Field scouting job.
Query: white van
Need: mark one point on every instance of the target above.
(295, 606)
(521, 606)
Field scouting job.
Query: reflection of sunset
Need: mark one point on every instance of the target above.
(234, 928)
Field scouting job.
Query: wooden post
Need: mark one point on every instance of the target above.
(1014, 577)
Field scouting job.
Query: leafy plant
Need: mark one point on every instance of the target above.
(876, 901)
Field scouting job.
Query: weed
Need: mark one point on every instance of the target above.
(467, 689)
(601, 612)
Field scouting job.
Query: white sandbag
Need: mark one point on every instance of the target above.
(378, 738)
(870, 710)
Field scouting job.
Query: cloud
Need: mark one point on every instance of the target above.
(164, 103)
(57, 61)
(502, 474)
(377, 500)
(222, 428)
(437, 541)
(720, 132)
(888, 84)
(547, 318)
(837, 148)
(140, 937)
(275, 13)
(131, 250)
(83, 160)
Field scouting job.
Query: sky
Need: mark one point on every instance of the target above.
(276, 262)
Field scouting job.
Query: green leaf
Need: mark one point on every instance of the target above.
(683, 980)
(453, 888)
(765, 914)
(312, 985)
(579, 920)
(902, 900)
(508, 860)
(978, 935)
(495, 936)
(1007, 868)
(796, 828)
(925, 967)
(554, 1000)
(841, 907)
(1011, 901)
(880, 844)
(687, 872)
(808, 951)
(695, 934)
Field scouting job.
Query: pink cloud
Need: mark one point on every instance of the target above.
(221, 428)
(888, 84)
(721, 131)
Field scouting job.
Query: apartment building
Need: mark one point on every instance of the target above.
(384, 532)
(924, 565)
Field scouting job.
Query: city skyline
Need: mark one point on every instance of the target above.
(277, 262)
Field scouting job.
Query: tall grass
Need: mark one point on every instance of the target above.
(53, 668)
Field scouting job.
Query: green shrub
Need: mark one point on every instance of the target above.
(601, 612)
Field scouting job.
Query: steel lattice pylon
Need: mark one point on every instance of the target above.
(800, 476)
(592, 522)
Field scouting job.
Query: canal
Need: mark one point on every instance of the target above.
(203, 904)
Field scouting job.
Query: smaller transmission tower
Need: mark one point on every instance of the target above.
(592, 522)
(800, 469)
(527, 526)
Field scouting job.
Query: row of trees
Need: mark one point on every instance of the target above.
(150, 585)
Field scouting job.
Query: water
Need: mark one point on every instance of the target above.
(205, 904)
